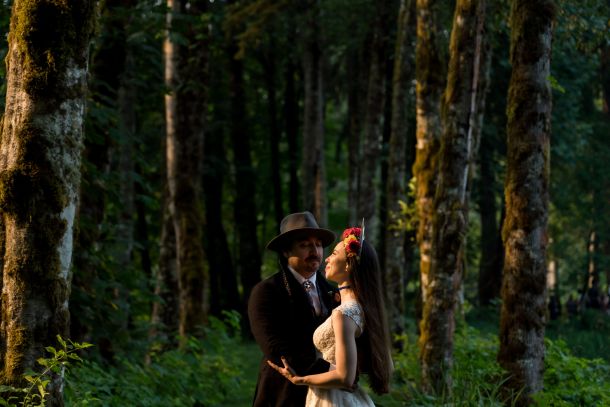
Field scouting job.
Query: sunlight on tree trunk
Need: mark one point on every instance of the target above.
(185, 107)
(430, 72)
(40, 157)
(449, 224)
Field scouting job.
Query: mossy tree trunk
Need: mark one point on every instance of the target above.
(40, 156)
(430, 73)
(185, 107)
(313, 171)
(397, 172)
(524, 231)
(449, 224)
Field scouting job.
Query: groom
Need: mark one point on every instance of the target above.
(286, 308)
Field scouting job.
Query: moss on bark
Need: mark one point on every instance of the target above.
(48, 35)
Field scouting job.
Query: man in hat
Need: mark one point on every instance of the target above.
(286, 308)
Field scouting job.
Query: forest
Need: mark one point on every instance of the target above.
(150, 149)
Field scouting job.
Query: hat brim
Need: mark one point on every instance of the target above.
(280, 242)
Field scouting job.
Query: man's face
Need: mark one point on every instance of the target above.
(305, 255)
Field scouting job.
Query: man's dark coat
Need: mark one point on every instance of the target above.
(283, 323)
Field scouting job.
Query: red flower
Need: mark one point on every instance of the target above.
(352, 231)
(353, 247)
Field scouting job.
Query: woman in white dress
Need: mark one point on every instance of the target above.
(354, 338)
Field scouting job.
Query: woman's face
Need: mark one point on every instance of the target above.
(336, 264)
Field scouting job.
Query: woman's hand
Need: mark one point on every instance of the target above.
(287, 372)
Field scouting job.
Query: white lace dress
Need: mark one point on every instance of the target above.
(324, 340)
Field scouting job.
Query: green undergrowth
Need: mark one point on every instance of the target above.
(207, 372)
(222, 369)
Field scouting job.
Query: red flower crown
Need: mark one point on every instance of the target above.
(352, 240)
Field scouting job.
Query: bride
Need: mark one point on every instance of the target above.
(354, 338)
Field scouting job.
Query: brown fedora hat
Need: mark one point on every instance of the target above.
(296, 225)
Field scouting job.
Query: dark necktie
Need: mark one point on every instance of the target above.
(309, 287)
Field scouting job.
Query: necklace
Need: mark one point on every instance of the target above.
(345, 287)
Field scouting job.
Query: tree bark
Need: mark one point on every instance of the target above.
(249, 259)
(40, 156)
(185, 107)
(107, 68)
(356, 93)
(397, 171)
(527, 181)
(430, 73)
(164, 323)
(449, 224)
(373, 123)
(291, 126)
(313, 171)
(223, 276)
(127, 130)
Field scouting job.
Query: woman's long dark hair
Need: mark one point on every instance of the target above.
(374, 343)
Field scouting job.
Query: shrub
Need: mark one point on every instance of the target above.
(201, 374)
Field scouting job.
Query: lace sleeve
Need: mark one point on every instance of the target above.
(354, 312)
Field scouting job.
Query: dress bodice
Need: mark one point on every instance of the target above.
(324, 336)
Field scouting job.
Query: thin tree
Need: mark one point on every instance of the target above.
(430, 74)
(185, 104)
(371, 140)
(40, 157)
(249, 258)
(449, 224)
(524, 231)
(397, 171)
(313, 170)
(224, 293)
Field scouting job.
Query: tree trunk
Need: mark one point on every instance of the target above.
(373, 123)
(164, 323)
(249, 260)
(185, 107)
(313, 171)
(141, 228)
(268, 62)
(430, 72)
(40, 156)
(354, 112)
(527, 180)
(449, 224)
(291, 115)
(397, 171)
(107, 67)
(127, 130)
(223, 276)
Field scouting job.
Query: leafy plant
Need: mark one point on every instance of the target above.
(34, 394)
